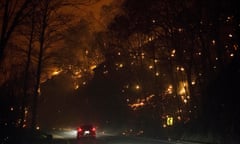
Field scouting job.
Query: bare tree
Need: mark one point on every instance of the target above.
(52, 23)
(12, 14)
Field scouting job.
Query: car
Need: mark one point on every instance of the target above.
(86, 131)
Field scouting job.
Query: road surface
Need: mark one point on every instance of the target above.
(69, 137)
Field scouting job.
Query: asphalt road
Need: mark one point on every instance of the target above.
(117, 140)
(114, 139)
(69, 137)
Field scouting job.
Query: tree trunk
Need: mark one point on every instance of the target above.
(39, 67)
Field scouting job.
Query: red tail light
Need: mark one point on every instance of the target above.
(79, 129)
(93, 129)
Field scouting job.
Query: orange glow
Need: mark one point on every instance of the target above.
(169, 89)
(173, 53)
(136, 105)
(93, 67)
(57, 72)
(137, 87)
(183, 88)
(150, 67)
